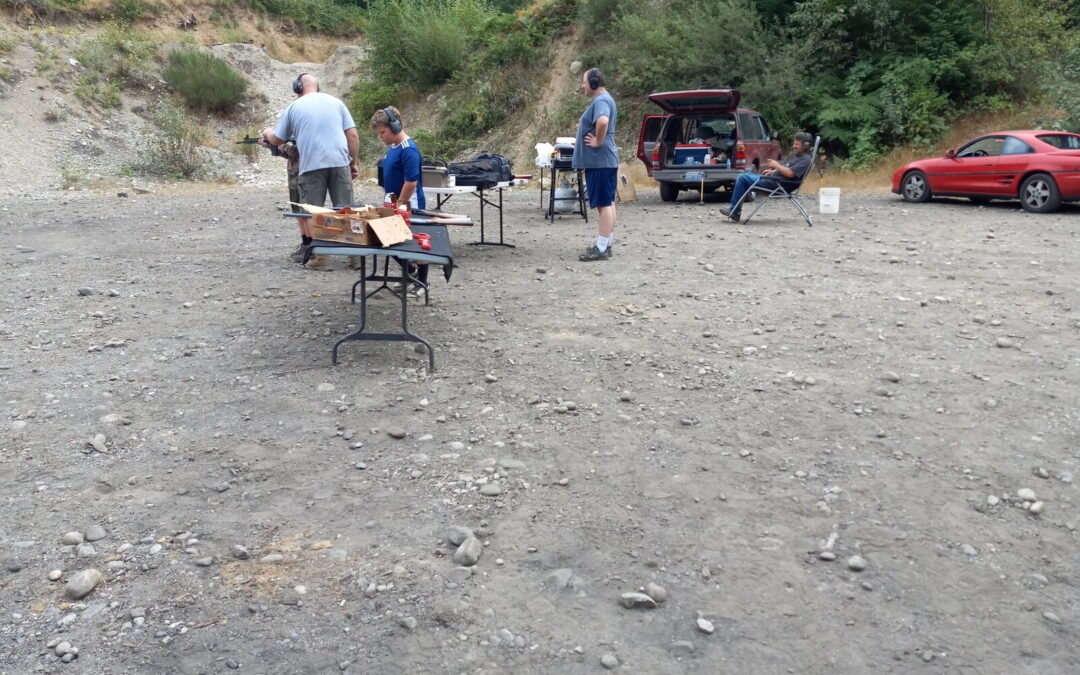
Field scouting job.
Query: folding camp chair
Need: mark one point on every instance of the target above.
(764, 193)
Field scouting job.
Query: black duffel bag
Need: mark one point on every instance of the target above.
(484, 170)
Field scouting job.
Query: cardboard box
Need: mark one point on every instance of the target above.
(369, 226)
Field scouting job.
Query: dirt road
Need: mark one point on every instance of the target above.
(743, 415)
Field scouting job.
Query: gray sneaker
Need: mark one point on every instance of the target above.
(593, 253)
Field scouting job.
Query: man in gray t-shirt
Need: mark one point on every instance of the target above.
(595, 152)
(326, 137)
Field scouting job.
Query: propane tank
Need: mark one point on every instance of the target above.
(565, 197)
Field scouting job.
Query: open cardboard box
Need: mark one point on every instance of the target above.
(366, 226)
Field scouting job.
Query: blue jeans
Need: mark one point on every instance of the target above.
(744, 182)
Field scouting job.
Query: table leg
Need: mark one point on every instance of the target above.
(405, 336)
(483, 200)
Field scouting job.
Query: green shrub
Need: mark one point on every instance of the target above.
(7, 43)
(102, 93)
(118, 54)
(322, 16)
(368, 97)
(204, 81)
(423, 44)
(172, 151)
(128, 11)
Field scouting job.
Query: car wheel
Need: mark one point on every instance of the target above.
(1039, 194)
(914, 187)
(668, 192)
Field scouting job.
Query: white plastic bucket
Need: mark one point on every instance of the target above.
(829, 200)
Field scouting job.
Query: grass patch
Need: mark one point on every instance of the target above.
(7, 43)
(115, 58)
(204, 81)
(127, 12)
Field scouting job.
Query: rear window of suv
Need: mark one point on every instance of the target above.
(1063, 141)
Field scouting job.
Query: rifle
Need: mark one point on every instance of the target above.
(254, 140)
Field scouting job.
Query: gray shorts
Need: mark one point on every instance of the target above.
(314, 185)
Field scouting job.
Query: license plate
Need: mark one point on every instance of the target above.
(693, 175)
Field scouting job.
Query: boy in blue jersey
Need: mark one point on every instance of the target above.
(401, 174)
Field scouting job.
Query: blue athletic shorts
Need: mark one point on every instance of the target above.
(601, 184)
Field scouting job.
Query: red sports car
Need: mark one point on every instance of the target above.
(1040, 168)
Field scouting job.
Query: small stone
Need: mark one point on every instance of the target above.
(72, 538)
(240, 552)
(272, 558)
(85, 290)
(1041, 472)
(1026, 494)
(682, 647)
(85, 551)
(325, 386)
(468, 553)
(408, 622)
(890, 376)
(656, 592)
(826, 556)
(1036, 508)
(95, 533)
(457, 446)
(321, 545)
(62, 648)
(55, 575)
(1051, 617)
(705, 626)
(82, 583)
(926, 655)
(205, 562)
(396, 432)
(856, 563)
(992, 500)
(455, 534)
(969, 550)
(490, 377)
(1004, 343)
(637, 601)
(490, 490)
(609, 661)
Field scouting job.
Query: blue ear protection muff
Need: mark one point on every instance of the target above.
(298, 85)
(594, 79)
(392, 122)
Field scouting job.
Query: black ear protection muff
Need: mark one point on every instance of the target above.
(392, 122)
(298, 85)
(594, 79)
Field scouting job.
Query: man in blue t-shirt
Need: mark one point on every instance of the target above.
(401, 175)
(595, 152)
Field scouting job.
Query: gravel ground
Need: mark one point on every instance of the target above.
(758, 448)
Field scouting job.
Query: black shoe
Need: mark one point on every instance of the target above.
(594, 253)
(734, 215)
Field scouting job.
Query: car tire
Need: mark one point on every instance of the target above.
(1039, 194)
(914, 187)
(669, 192)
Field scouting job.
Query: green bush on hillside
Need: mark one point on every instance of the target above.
(172, 150)
(204, 81)
(423, 44)
(321, 16)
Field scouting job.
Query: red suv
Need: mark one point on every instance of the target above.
(703, 141)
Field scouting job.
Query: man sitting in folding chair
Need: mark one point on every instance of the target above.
(779, 180)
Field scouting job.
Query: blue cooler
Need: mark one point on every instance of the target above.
(691, 153)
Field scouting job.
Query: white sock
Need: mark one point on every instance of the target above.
(602, 243)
